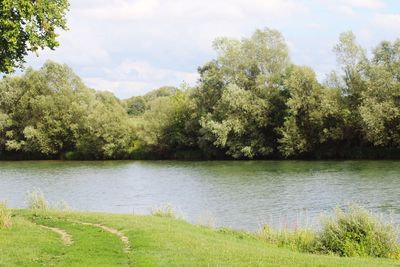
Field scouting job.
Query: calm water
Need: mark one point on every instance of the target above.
(241, 194)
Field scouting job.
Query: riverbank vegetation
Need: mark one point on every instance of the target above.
(5, 216)
(250, 102)
(55, 238)
(349, 233)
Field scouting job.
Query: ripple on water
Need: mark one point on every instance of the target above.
(240, 194)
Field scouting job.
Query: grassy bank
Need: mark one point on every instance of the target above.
(99, 239)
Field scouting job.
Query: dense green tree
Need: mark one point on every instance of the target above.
(380, 108)
(160, 92)
(250, 102)
(238, 93)
(353, 62)
(315, 114)
(27, 26)
(210, 87)
(50, 113)
(371, 90)
(107, 131)
(165, 127)
(42, 111)
(236, 122)
(253, 63)
(135, 105)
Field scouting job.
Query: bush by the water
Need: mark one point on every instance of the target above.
(5, 216)
(37, 201)
(357, 232)
(166, 210)
(351, 232)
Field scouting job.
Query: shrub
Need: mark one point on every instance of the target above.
(5, 216)
(166, 210)
(37, 201)
(356, 232)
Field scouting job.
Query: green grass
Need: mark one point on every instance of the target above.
(155, 241)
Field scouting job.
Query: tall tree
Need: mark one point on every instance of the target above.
(315, 114)
(353, 62)
(27, 26)
(239, 92)
(50, 113)
(236, 122)
(380, 108)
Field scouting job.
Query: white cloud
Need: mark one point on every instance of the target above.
(365, 35)
(121, 10)
(368, 4)
(136, 78)
(345, 10)
(123, 89)
(132, 46)
(191, 10)
(354, 7)
(387, 21)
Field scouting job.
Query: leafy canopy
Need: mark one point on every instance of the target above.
(27, 26)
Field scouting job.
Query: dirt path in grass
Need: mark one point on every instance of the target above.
(119, 234)
(65, 237)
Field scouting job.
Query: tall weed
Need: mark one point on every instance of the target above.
(37, 201)
(166, 210)
(5, 216)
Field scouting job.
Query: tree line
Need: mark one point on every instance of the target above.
(250, 102)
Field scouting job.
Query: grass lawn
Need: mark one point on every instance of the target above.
(154, 241)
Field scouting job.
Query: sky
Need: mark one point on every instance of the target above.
(130, 47)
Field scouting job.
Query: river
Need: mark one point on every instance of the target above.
(238, 194)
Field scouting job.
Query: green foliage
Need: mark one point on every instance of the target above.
(315, 114)
(27, 26)
(240, 90)
(5, 216)
(235, 125)
(250, 102)
(354, 232)
(254, 62)
(165, 127)
(135, 106)
(357, 232)
(107, 131)
(380, 110)
(50, 112)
